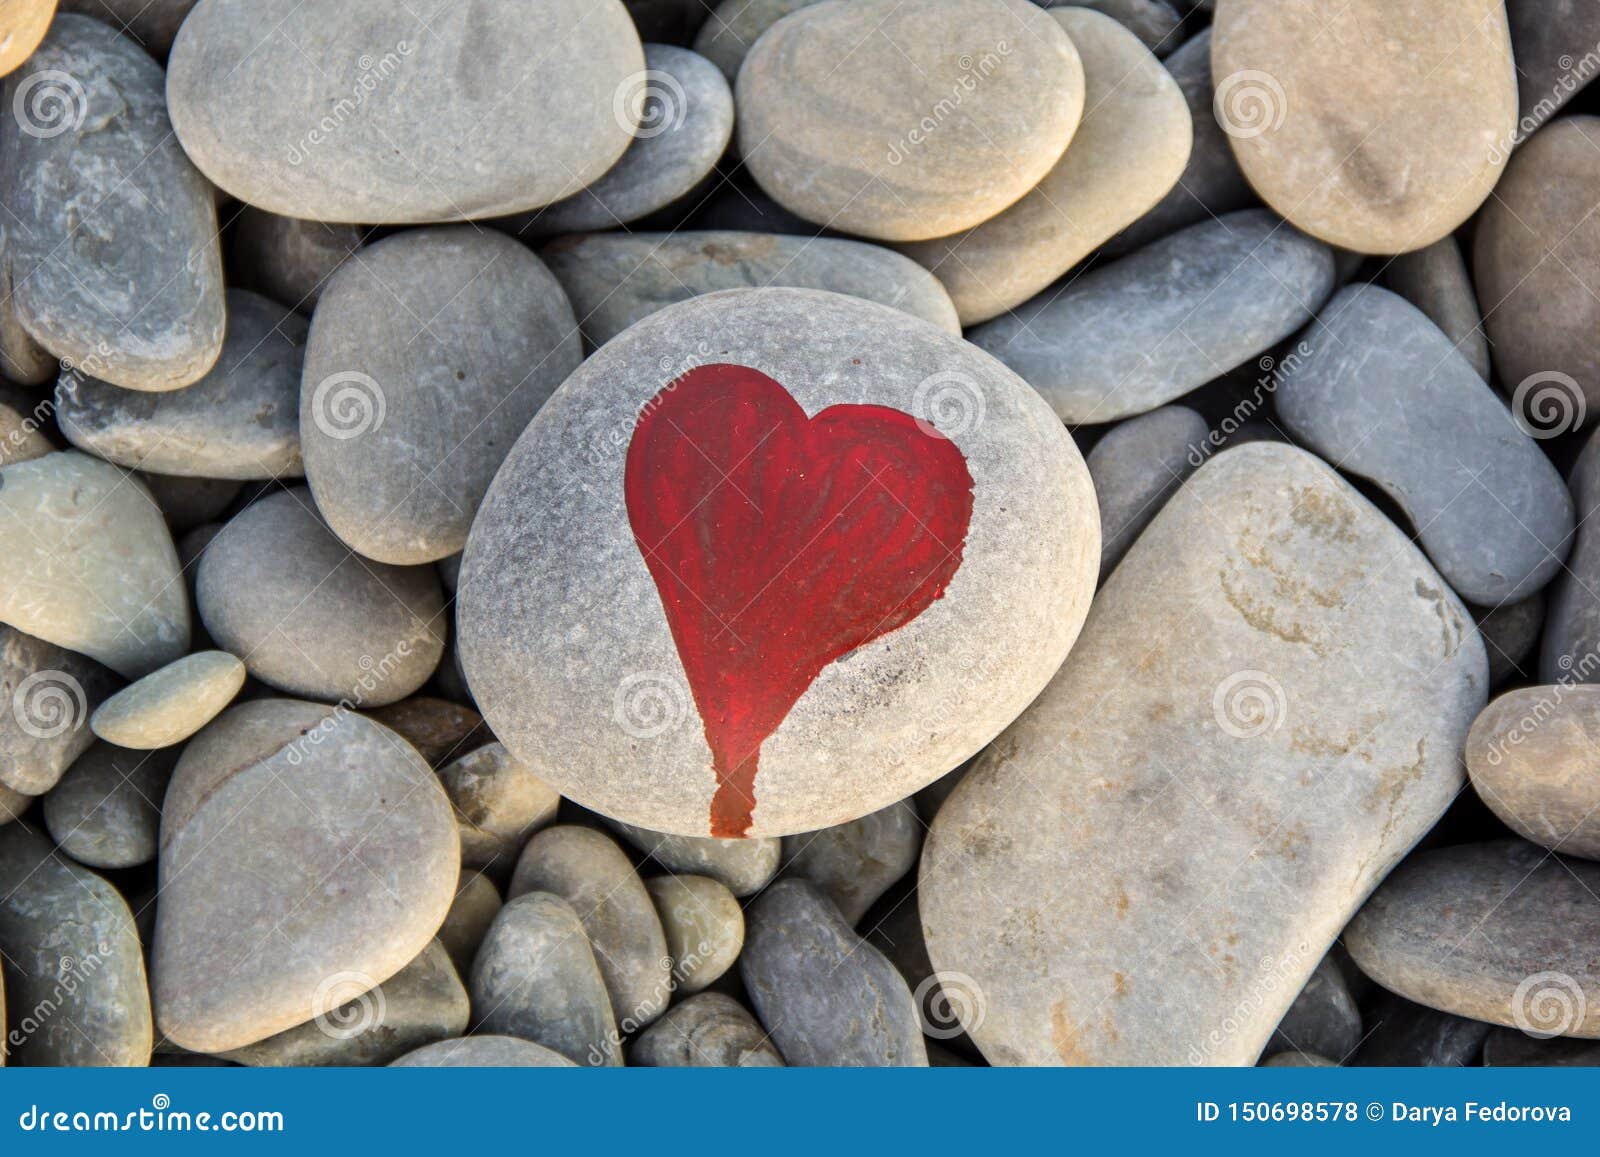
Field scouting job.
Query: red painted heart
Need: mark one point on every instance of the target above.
(779, 543)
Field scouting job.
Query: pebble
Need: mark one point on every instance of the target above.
(853, 864)
(1549, 39)
(476, 905)
(425, 1002)
(1535, 252)
(289, 259)
(591, 873)
(428, 354)
(1435, 280)
(387, 126)
(240, 420)
(169, 705)
(826, 996)
(615, 280)
(685, 123)
(1316, 134)
(111, 230)
(279, 589)
(22, 360)
(704, 927)
(483, 1052)
(106, 811)
(74, 976)
(1155, 22)
(1136, 467)
(189, 502)
(708, 1030)
(536, 978)
(1488, 506)
(22, 414)
(275, 924)
(1127, 153)
(1298, 1060)
(23, 23)
(599, 706)
(898, 935)
(1403, 1033)
(734, 26)
(439, 729)
(1296, 796)
(1323, 1020)
(152, 23)
(1130, 336)
(13, 805)
(1530, 755)
(1501, 932)
(89, 563)
(46, 696)
(1510, 633)
(1570, 652)
(499, 803)
(907, 119)
(1512, 1046)
(744, 867)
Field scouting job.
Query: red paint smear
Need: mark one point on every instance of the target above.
(779, 543)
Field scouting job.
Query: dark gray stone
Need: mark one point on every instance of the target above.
(47, 694)
(1323, 1020)
(1511, 632)
(1136, 467)
(1554, 43)
(106, 811)
(1406, 1035)
(289, 259)
(1435, 280)
(855, 863)
(1570, 652)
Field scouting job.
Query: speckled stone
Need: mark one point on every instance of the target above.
(476, 905)
(1136, 467)
(536, 978)
(1535, 253)
(743, 866)
(112, 231)
(855, 863)
(1435, 280)
(338, 865)
(47, 694)
(499, 803)
(1531, 756)
(74, 973)
(907, 120)
(429, 352)
(423, 1003)
(1069, 849)
(106, 811)
(685, 123)
(488, 1052)
(289, 259)
(905, 708)
(704, 927)
(169, 705)
(1130, 336)
(388, 126)
(89, 563)
(1127, 154)
(1500, 932)
(734, 26)
(826, 996)
(615, 279)
(1316, 134)
(709, 1030)
(591, 873)
(278, 588)
(1488, 506)
(1323, 1020)
(240, 420)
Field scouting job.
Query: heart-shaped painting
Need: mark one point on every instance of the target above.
(779, 543)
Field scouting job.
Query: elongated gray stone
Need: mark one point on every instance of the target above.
(240, 420)
(1532, 756)
(1130, 336)
(106, 811)
(167, 706)
(289, 259)
(112, 236)
(47, 694)
(429, 353)
(89, 563)
(1220, 793)
(389, 127)
(708, 1030)
(1501, 932)
(1488, 506)
(74, 972)
(484, 1051)
(1136, 467)
(615, 280)
(743, 866)
(1435, 280)
(307, 855)
(1570, 652)
(855, 863)
(826, 996)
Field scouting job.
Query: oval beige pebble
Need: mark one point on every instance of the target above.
(22, 26)
(907, 119)
(499, 803)
(1126, 155)
(704, 926)
(1532, 756)
(169, 705)
(1376, 126)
